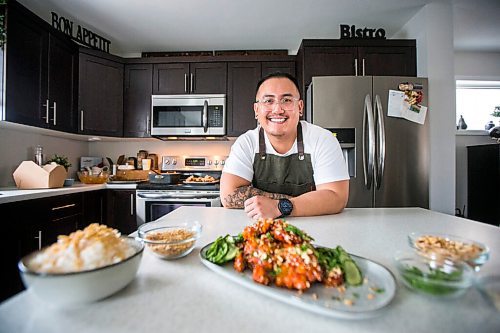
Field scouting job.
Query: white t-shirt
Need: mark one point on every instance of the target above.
(326, 155)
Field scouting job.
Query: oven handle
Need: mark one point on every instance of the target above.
(176, 196)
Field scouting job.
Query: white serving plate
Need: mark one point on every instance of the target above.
(320, 299)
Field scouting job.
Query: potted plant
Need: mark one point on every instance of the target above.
(63, 161)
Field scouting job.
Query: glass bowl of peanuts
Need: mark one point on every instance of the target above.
(169, 240)
(435, 245)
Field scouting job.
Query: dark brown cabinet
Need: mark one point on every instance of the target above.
(121, 210)
(190, 78)
(242, 81)
(483, 177)
(137, 91)
(94, 208)
(100, 96)
(41, 73)
(355, 57)
(31, 225)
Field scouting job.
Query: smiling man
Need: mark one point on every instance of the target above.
(284, 166)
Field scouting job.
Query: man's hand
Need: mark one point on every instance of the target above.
(261, 207)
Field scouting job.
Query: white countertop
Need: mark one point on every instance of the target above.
(12, 194)
(184, 296)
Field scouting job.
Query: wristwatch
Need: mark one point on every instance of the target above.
(285, 207)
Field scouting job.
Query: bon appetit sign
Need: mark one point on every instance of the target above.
(82, 35)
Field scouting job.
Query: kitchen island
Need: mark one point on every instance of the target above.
(185, 296)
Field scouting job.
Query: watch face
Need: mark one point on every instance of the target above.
(285, 206)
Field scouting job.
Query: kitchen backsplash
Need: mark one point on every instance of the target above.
(18, 145)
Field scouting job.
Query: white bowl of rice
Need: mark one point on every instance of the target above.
(86, 266)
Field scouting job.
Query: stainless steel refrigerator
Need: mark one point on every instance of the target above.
(387, 157)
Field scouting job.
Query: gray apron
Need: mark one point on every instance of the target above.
(291, 175)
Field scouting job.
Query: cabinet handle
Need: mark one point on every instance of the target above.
(363, 66)
(131, 204)
(55, 113)
(81, 120)
(355, 66)
(39, 237)
(46, 105)
(185, 82)
(192, 82)
(62, 207)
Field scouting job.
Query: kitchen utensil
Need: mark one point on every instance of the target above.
(142, 154)
(132, 161)
(120, 160)
(154, 161)
(110, 162)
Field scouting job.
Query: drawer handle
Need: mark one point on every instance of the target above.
(62, 207)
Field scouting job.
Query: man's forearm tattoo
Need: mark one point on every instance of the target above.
(238, 197)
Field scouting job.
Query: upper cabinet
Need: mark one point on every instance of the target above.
(355, 57)
(190, 78)
(42, 72)
(100, 95)
(242, 81)
(137, 91)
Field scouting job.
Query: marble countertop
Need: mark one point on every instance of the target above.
(12, 194)
(185, 296)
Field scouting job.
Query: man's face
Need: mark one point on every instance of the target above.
(278, 109)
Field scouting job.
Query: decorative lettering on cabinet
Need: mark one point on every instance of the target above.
(83, 35)
(347, 31)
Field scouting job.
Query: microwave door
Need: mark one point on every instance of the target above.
(177, 120)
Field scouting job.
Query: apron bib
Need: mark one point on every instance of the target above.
(290, 175)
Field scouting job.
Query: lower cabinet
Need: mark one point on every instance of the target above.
(30, 225)
(121, 210)
(483, 177)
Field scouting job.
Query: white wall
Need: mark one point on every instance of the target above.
(17, 144)
(432, 27)
(477, 65)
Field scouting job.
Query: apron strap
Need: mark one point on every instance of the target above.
(262, 144)
(300, 143)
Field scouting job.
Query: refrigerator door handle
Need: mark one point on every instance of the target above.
(380, 151)
(368, 142)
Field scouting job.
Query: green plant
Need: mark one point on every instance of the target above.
(61, 160)
(496, 112)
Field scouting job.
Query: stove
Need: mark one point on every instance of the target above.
(153, 200)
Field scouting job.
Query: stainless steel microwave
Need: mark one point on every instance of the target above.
(188, 115)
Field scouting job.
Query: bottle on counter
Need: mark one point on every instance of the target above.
(39, 155)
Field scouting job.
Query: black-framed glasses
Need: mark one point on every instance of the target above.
(287, 102)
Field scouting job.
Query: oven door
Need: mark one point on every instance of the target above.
(150, 209)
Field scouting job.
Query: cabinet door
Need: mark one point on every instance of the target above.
(242, 81)
(269, 67)
(137, 90)
(388, 61)
(26, 79)
(323, 61)
(100, 102)
(121, 210)
(62, 82)
(208, 78)
(171, 78)
(94, 208)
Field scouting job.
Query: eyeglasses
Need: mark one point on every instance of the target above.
(286, 102)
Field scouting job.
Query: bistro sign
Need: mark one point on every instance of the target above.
(83, 35)
(347, 31)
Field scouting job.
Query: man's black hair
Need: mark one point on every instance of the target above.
(278, 75)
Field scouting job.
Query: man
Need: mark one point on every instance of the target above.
(284, 166)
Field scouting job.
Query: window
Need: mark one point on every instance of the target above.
(476, 101)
